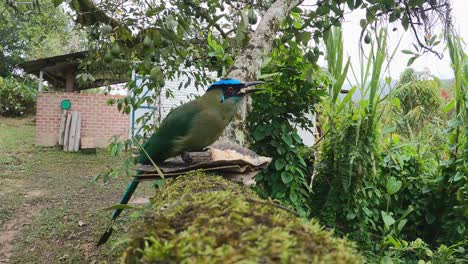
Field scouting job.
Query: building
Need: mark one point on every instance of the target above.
(99, 121)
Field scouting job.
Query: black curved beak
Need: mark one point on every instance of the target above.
(247, 90)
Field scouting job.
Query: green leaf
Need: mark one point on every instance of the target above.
(279, 164)
(286, 177)
(449, 106)
(303, 163)
(407, 212)
(388, 129)
(407, 52)
(411, 60)
(402, 224)
(350, 216)
(357, 4)
(297, 138)
(386, 260)
(458, 176)
(306, 37)
(57, 2)
(287, 139)
(370, 17)
(363, 23)
(259, 133)
(388, 219)
(294, 198)
(394, 242)
(405, 22)
(393, 185)
(454, 123)
(367, 211)
(396, 102)
(154, 11)
(388, 80)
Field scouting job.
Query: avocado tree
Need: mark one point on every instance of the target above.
(190, 38)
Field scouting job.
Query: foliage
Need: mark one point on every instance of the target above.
(17, 97)
(26, 36)
(418, 251)
(117, 148)
(412, 190)
(207, 219)
(452, 202)
(418, 102)
(349, 155)
(273, 122)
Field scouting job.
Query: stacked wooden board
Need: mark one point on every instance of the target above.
(70, 130)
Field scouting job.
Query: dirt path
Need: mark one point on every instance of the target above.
(12, 229)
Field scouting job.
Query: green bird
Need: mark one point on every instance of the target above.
(197, 124)
(190, 127)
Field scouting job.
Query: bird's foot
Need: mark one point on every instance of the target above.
(186, 158)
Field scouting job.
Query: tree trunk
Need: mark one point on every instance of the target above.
(248, 63)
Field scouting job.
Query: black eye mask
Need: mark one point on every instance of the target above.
(230, 91)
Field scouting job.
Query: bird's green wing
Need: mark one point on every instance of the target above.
(176, 124)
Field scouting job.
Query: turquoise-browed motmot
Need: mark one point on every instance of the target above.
(197, 124)
(190, 127)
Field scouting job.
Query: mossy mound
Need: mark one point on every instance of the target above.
(207, 219)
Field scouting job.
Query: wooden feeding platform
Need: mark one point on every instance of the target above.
(223, 158)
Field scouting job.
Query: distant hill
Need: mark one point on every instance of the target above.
(444, 84)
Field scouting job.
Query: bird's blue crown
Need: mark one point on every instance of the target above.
(224, 82)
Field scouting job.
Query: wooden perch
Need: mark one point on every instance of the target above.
(224, 157)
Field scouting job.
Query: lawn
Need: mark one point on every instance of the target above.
(51, 211)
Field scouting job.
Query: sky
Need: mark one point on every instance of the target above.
(439, 68)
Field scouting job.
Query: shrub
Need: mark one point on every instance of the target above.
(419, 101)
(17, 97)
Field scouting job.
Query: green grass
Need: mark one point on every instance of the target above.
(67, 216)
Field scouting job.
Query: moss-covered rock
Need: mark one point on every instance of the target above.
(207, 219)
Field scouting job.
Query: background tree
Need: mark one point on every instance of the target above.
(32, 35)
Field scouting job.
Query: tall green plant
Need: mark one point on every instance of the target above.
(346, 190)
(451, 209)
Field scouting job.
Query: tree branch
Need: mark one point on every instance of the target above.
(413, 28)
(207, 17)
(250, 60)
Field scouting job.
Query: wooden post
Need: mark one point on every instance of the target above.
(41, 78)
(72, 137)
(67, 132)
(76, 146)
(63, 122)
(70, 80)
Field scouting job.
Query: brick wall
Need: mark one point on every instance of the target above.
(99, 121)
